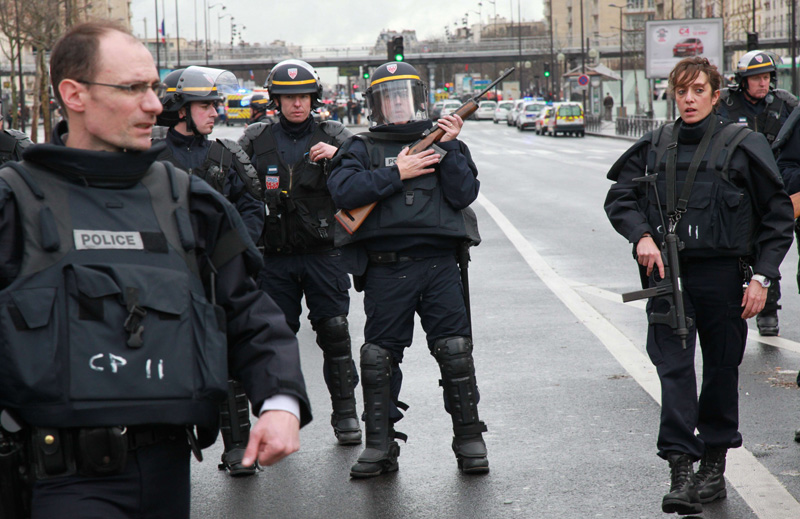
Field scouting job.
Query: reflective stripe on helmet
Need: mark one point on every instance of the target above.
(392, 78)
(298, 82)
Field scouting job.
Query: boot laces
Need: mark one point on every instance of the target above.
(681, 473)
(710, 463)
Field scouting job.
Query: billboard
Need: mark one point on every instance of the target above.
(669, 41)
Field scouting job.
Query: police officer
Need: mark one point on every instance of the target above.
(292, 157)
(755, 102)
(719, 189)
(258, 109)
(190, 111)
(125, 278)
(408, 247)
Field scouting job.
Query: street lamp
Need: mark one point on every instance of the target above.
(219, 32)
(621, 59)
(206, 10)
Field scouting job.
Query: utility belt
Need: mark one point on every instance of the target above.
(387, 258)
(96, 451)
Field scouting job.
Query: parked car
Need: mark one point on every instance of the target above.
(542, 120)
(687, 47)
(450, 106)
(511, 118)
(567, 118)
(485, 110)
(436, 110)
(528, 114)
(501, 112)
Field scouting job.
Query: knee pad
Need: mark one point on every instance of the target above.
(454, 355)
(376, 366)
(333, 336)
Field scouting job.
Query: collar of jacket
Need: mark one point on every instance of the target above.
(185, 141)
(104, 169)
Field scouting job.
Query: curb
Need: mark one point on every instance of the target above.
(608, 136)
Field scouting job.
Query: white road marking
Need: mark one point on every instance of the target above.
(762, 492)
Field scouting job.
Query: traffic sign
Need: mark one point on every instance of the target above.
(583, 80)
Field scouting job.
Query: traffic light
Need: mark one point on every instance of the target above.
(546, 69)
(752, 41)
(366, 75)
(447, 87)
(394, 48)
(355, 87)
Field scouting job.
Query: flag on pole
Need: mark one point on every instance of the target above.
(252, 76)
(163, 33)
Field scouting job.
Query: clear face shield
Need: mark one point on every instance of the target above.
(205, 81)
(399, 101)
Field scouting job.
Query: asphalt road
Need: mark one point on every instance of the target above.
(570, 400)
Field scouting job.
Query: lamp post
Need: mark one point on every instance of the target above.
(621, 58)
(560, 58)
(206, 9)
(219, 32)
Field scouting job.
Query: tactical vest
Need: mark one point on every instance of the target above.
(419, 209)
(767, 122)
(107, 322)
(222, 155)
(719, 219)
(12, 142)
(299, 206)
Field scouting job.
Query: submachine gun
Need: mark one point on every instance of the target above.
(351, 219)
(670, 286)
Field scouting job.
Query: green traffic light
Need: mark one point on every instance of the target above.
(546, 73)
(366, 75)
(398, 57)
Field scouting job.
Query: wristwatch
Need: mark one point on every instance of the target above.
(763, 280)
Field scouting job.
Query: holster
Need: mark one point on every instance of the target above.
(98, 451)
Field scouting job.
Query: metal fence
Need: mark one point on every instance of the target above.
(593, 122)
(636, 126)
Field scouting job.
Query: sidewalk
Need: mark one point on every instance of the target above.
(608, 129)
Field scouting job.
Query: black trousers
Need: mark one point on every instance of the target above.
(712, 297)
(393, 293)
(154, 485)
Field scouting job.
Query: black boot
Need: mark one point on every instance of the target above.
(767, 322)
(334, 339)
(682, 498)
(709, 480)
(454, 355)
(381, 452)
(235, 430)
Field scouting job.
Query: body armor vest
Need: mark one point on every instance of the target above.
(767, 122)
(299, 206)
(107, 322)
(222, 155)
(419, 209)
(719, 219)
(12, 142)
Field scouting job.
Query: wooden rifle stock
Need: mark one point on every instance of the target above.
(796, 204)
(351, 219)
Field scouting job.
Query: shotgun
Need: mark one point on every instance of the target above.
(351, 219)
(796, 204)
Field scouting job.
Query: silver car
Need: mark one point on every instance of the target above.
(501, 112)
(511, 118)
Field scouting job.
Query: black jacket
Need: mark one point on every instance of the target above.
(262, 350)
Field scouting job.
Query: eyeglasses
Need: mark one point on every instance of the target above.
(138, 89)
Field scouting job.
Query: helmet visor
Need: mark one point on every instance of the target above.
(204, 81)
(398, 101)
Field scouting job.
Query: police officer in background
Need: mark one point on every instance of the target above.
(701, 163)
(755, 102)
(12, 142)
(258, 109)
(190, 110)
(292, 157)
(127, 296)
(405, 255)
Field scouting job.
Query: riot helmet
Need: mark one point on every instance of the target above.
(293, 76)
(756, 62)
(396, 95)
(192, 84)
(258, 103)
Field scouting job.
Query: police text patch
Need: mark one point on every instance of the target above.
(86, 240)
(391, 161)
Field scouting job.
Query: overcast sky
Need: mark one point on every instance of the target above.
(323, 23)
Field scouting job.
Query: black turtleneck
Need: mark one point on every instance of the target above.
(292, 139)
(693, 133)
(296, 130)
